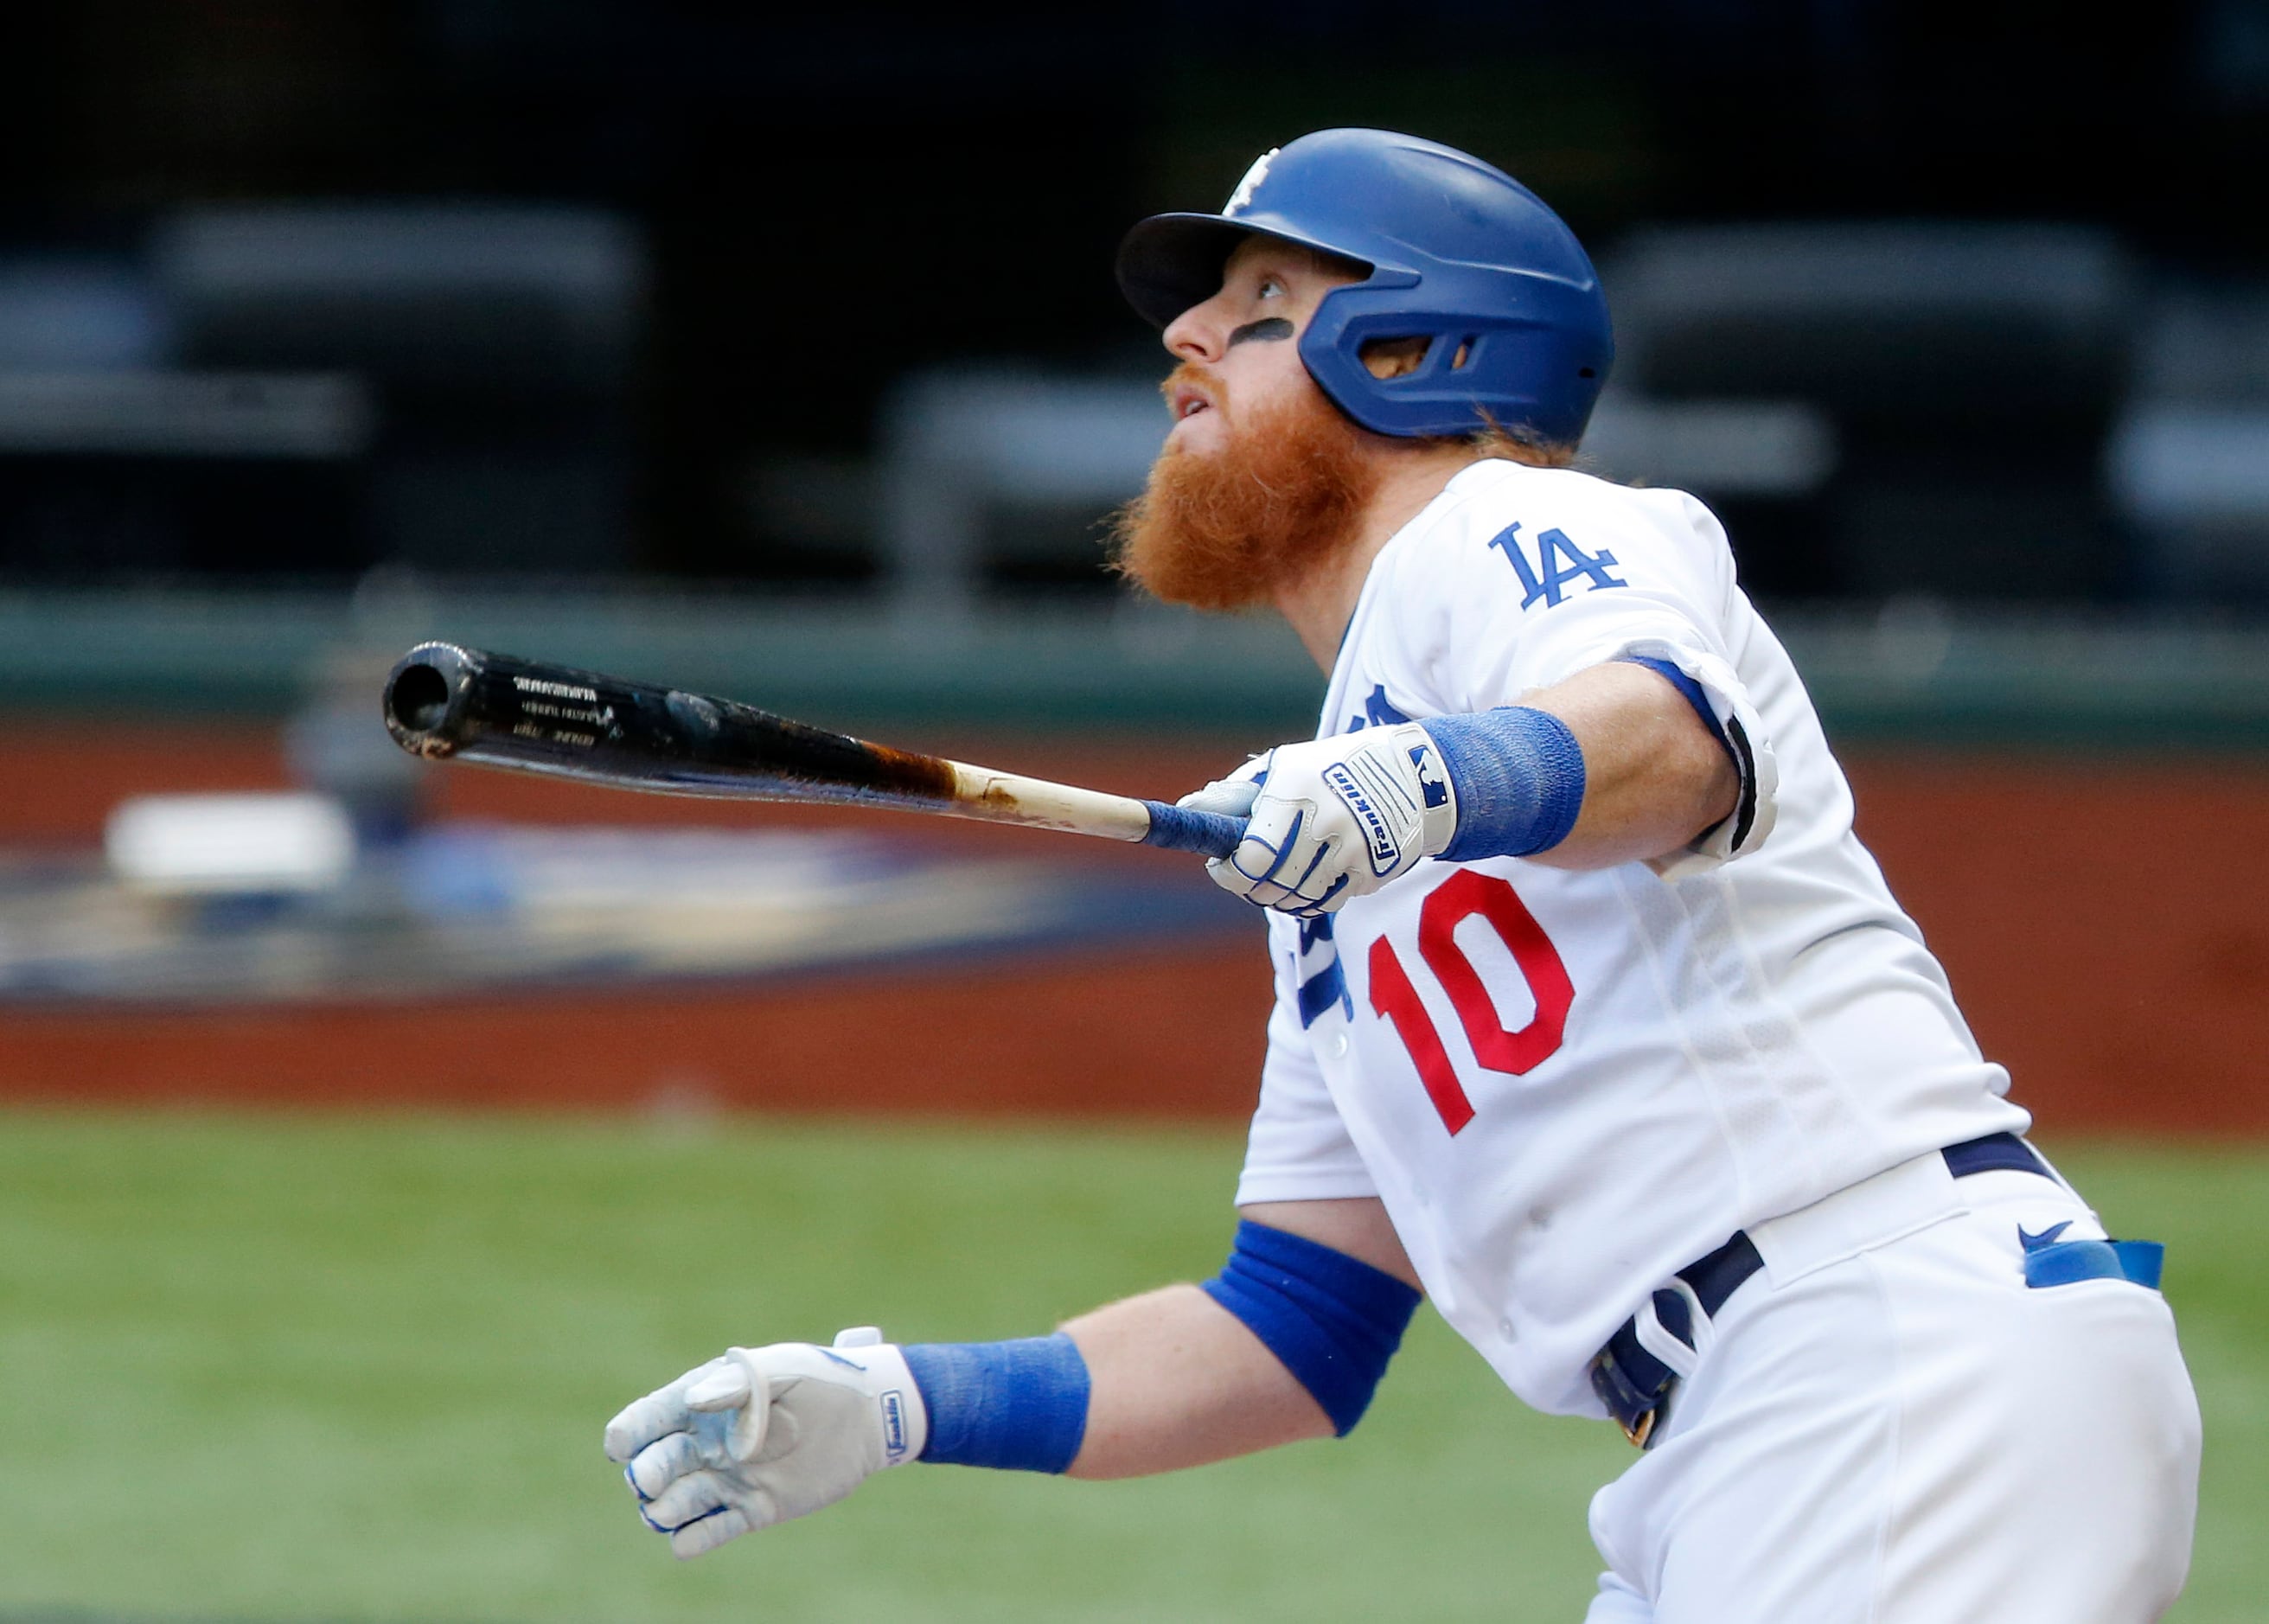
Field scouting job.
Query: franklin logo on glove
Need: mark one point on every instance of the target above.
(1386, 841)
(894, 1425)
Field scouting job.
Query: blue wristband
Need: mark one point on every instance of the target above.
(1333, 1320)
(1020, 1405)
(1519, 774)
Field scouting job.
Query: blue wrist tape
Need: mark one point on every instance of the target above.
(1519, 774)
(1333, 1320)
(1020, 1405)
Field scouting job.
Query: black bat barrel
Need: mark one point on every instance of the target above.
(445, 702)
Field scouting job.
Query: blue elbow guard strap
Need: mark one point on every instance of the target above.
(1519, 774)
(1021, 1406)
(1335, 1321)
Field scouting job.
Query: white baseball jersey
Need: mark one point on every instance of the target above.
(1566, 1086)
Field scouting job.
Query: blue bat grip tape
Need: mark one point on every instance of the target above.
(1178, 829)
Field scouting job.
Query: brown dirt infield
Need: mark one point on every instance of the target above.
(2104, 924)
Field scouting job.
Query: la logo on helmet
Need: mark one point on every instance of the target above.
(1241, 199)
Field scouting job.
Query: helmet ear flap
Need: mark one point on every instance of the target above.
(1478, 372)
(1421, 354)
(1350, 336)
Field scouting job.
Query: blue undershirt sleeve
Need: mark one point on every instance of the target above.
(1333, 1320)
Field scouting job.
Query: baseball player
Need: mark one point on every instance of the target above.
(1593, 1021)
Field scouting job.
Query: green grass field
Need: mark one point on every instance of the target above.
(326, 1369)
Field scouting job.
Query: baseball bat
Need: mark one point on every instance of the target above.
(446, 702)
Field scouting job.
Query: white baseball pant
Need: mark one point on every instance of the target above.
(1909, 1433)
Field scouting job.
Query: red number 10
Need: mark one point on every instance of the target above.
(1463, 895)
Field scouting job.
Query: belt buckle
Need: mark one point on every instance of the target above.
(1622, 1398)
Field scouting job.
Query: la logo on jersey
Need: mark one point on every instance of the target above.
(1558, 561)
(1378, 710)
(1241, 199)
(1316, 971)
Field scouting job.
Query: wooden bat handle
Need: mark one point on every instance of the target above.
(1008, 798)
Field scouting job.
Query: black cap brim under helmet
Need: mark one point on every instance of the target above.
(1169, 263)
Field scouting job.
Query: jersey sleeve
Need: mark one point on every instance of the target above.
(1298, 1149)
(1550, 586)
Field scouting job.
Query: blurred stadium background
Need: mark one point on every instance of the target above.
(371, 1134)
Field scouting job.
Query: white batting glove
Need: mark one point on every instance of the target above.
(762, 1435)
(1332, 818)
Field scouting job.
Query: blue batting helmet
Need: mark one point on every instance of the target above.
(1459, 253)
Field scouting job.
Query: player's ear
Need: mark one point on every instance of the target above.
(1395, 357)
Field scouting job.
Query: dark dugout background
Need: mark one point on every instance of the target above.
(830, 204)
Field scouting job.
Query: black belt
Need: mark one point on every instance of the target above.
(1636, 1386)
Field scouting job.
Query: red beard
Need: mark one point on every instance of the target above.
(1224, 531)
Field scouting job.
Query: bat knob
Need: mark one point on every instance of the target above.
(422, 693)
